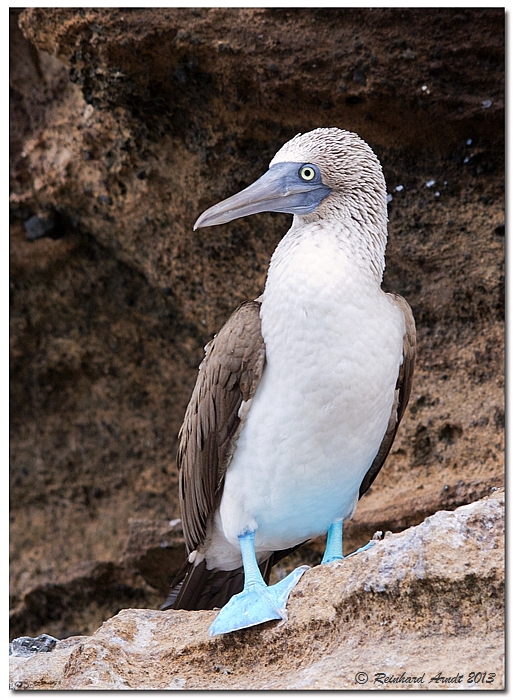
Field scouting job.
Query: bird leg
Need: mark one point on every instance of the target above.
(257, 602)
(334, 544)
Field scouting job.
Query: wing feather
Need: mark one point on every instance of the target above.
(402, 392)
(228, 375)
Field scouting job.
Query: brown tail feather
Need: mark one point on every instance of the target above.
(197, 588)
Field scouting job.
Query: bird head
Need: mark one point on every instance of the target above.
(322, 166)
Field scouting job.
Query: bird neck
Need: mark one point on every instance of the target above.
(320, 281)
(316, 270)
(345, 248)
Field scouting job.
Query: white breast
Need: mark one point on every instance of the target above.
(333, 348)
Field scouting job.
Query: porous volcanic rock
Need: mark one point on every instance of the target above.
(426, 604)
(125, 125)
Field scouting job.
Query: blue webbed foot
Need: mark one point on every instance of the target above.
(362, 549)
(257, 603)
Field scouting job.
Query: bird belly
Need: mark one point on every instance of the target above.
(295, 472)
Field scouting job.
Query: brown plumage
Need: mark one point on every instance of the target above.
(228, 375)
(402, 393)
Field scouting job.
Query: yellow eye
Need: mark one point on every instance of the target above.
(307, 172)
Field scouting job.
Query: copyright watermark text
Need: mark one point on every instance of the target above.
(438, 679)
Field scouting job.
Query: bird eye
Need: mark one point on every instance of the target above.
(307, 172)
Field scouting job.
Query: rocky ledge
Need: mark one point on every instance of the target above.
(420, 609)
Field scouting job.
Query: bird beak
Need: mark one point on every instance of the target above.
(280, 189)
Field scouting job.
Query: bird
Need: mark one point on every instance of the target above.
(300, 394)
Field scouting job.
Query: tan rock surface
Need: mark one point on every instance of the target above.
(125, 125)
(428, 602)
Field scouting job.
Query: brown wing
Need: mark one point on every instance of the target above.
(402, 392)
(228, 375)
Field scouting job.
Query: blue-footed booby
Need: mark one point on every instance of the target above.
(299, 396)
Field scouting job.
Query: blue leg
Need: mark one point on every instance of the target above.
(257, 602)
(334, 544)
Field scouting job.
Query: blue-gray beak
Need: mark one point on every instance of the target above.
(280, 189)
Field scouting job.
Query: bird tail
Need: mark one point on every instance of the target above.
(198, 588)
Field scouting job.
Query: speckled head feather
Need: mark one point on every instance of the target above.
(344, 159)
(358, 200)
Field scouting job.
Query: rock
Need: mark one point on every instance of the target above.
(37, 227)
(40, 675)
(156, 550)
(91, 593)
(94, 591)
(125, 125)
(426, 604)
(26, 646)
